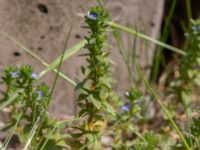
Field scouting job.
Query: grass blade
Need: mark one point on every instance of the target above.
(152, 91)
(145, 37)
(67, 54)
(54, 129)
(165, 33)
(75, 48)
(60, 63)
(5, 144)
(122, 50)
(53, 86)
(9, 101)
(189, 9)
(32, 133)
(23, 47)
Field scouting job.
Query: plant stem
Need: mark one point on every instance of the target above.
(189, 10)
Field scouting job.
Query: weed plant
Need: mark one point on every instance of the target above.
(104, 120)
(188, 77)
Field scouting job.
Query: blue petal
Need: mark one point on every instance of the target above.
(33, 75)
(92, 15)
(14, 74)
(126, 108)
(195, 28)
(40, 94)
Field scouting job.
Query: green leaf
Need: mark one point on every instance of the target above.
(94, 101)
(51, 145)
(63, 144)
(109, 108)
(60, 126)
(82, 97)
(186, 100)
(185, 97)
(81, 84)
(197, 81)
(11, 99)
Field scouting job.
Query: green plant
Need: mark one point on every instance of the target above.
(188, 77)
(29, 108)
(93, 100)
(124, 132)
(29, 101)
(195, 130)
(149, 141)
(102, 114)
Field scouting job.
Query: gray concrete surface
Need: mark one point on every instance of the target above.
(42, 25)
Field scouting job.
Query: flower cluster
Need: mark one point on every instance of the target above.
(31, 100)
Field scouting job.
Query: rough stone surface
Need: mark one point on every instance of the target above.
(42, 25)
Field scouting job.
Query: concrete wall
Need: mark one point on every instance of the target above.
(42, 25)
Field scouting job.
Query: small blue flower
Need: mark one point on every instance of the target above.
(92, 16)
(33, 75)
(126, 107)
(14, 74)
(198, 107)
(40, 94)
(196, 28)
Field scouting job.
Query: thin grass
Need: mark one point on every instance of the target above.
(146, 83)
(54, 129)
(122, 50)
(60, 63)
(145, 37)
(165, 110)
(67, 55)
(56, 77)
(189, 9)
(7, 141)
(9, 101)
(33, 131)
(165, 33)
